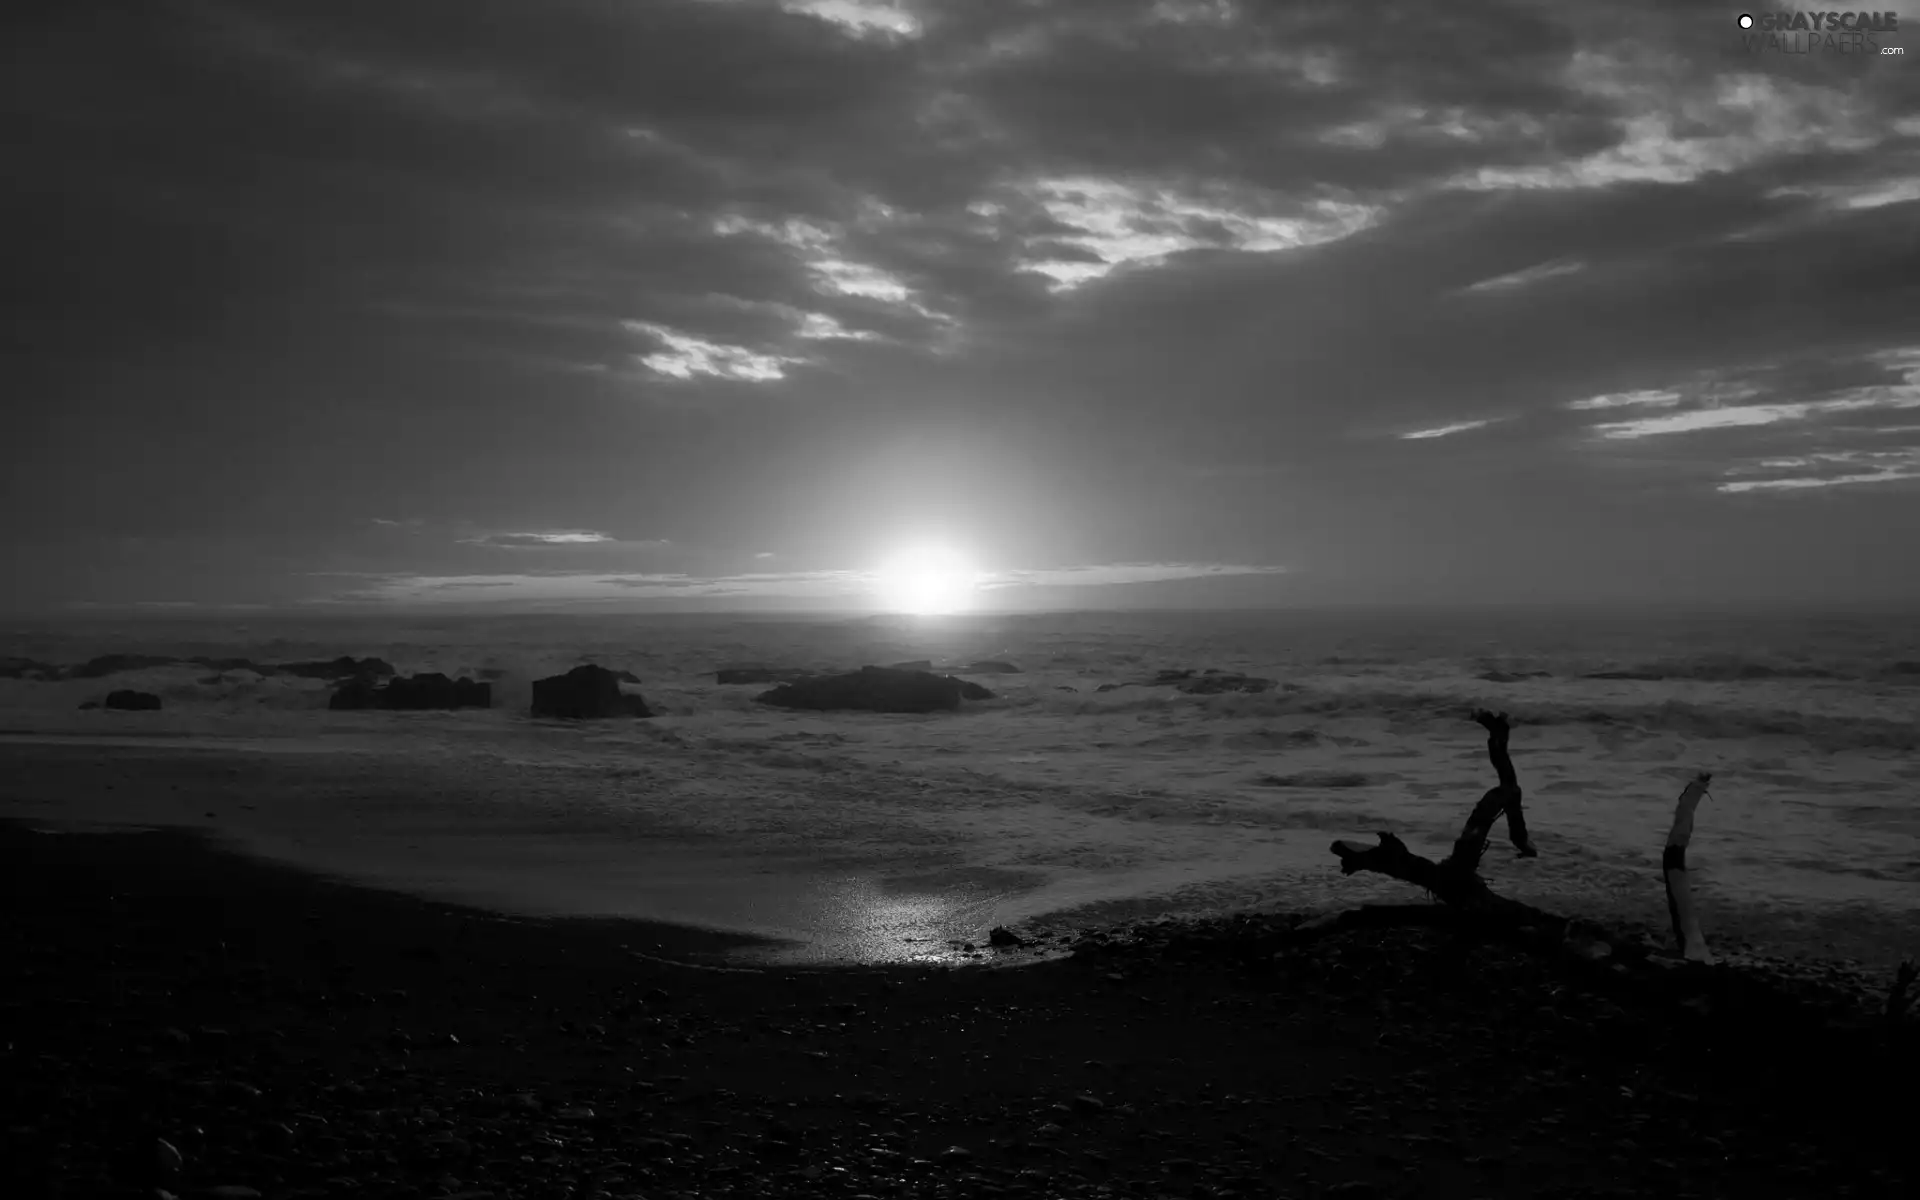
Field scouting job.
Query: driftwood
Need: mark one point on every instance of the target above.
(1673, 869)
(1455, 881)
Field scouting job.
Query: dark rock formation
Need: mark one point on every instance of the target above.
(989, 666)
(431, 691)
(626, 677)
(231, 664)
(344, 667)
(877, 689)
(587, 692)
(1215, 682)
(761, 674)
(1198, 683)
(86, 704)
(133, 701)
(1510, 676)
(111, 664)
(27, 668)
(355, 693)
(918, 664)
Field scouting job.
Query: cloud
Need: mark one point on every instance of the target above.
(1644, 398)
(686, 356)
(1708, 412)
(1096, 225)
(1439, 431)
(1538, 273)
(1831, 469)
(861, 17)
(521, 541)
(1011, 268)
(840, 587)
(1112, 574)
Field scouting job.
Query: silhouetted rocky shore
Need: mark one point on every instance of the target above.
(184, 1020)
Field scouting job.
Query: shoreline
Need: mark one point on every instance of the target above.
(374, 817)
(311, 1039)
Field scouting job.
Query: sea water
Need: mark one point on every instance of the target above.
(877, 837)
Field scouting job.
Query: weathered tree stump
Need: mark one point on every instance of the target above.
(1673, 870)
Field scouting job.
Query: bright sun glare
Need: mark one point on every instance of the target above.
(926, 580)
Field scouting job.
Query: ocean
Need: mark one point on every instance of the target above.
(852, 837)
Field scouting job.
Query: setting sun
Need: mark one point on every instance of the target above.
(926, 580)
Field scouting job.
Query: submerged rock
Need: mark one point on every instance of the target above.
(761, 674)
(113, 664)
(420, 692)
(132, 701)
(587, 692)
(231, 664)
(1198, 683)
(345, 666)
(1215, 682)
(877, 689)
(989, 666)
(26, 668)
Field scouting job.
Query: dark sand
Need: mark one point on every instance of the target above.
(302, 1038)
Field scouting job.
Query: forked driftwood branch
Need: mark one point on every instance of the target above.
(1455, 880)
(1690, 978)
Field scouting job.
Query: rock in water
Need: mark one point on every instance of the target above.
(1215, 682)
(918, 664)
(27, 668)
(343, 667)
(1210, 682)
(110, 664)
(760, 675)
(990, 667)
(429, 691)
(587, 692)
(133, 701)
(434, 690)
(355, 694)
(877, 689)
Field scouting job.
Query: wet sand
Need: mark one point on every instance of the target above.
(304, 1038)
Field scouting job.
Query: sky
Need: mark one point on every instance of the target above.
(723, 303)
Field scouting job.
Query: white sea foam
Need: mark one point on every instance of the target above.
(856, 832)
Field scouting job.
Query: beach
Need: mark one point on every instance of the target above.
(187, 1021)
(863, 838)
(734, 950)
